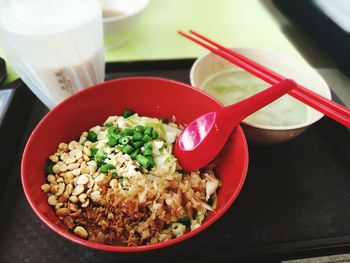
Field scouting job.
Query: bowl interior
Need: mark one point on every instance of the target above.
(121, 8)
(211, 64)
(149, 97)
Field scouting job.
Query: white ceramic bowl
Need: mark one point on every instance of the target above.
(210, 64)
(119, 19)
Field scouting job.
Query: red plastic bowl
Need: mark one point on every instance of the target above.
(155, 97)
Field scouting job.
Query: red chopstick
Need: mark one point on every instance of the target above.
(273, 74)
(328, 107)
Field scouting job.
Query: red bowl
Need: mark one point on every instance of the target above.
(155, 97)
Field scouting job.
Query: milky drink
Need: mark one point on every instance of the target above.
(55, 46)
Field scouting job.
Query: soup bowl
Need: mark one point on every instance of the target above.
(210, 65)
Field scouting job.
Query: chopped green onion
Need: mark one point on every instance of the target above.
(147, 152)
(93, 153)
(137, 136)
(146, 138)
(128, 131)
(154, 135)
(127, 149)
(165, 120)
(166, 226)
(138, 144)
(148, 130)
(185, 220)
(119, 147)
(128, 113)
(92, 136)
(140, 128)
(150, 158)
(109, 124)
(148, 145)
(113, 139)
(104, 168)
(134, 154)
(114, 175)
(142, 160)
(124, 140)
(111, 130)
(48, 167)
(100, 157)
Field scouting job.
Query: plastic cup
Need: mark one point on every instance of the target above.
(55, 46)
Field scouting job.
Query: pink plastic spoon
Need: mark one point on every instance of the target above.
(202, 140)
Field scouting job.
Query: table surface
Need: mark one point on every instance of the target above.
(290, 205)
(231, 22)
(158, 40)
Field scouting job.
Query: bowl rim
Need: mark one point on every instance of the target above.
(124, 249)
(308, 122)
(135, 12)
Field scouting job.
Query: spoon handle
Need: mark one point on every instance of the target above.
(237, 112)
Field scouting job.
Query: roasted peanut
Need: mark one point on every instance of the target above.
(83, 179)
(68, 177)
(82, 138)
(76, 153)
(58, 205)
(54, 188)
(63, 147)
(52, 200)
(76, 214)
(87, 151)
(70, 160)
(78, 189)
(88, 192)
(69, 189)
(61, 188)
(80, 232)
(84, 169)
(74, 199)
(113, 183)
(82, 198)
(86, 203)
(45, 188)
(61, 166)
(64, 197)
(56, 169)
(54, 158)
(59, 180)
(73, 166)
(76, 172)
(102, 179)
(75, 145)
(96, 196)
(86, 158)
(73, 207)
(51, 178)
(91, 182)
(64, 156)
(62, 212)
(69, 222)
(92, 168)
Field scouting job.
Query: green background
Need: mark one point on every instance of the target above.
(234, 23)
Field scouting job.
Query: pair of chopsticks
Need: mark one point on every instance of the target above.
(328, 107)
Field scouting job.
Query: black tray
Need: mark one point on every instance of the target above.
(13, 121)
(295, 201)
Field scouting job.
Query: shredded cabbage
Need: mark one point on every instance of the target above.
(171, 133)
(178, 229)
